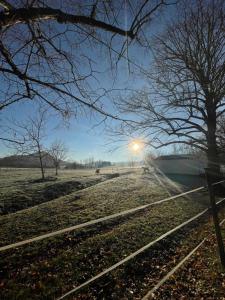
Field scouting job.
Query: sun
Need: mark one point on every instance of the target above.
(136, 146)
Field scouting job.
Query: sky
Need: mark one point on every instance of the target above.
(82, 137)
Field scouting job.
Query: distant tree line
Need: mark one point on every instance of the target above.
(88, 163)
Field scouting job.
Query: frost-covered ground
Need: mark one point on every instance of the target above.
(23, 188)
(104, 198)
(48, 268)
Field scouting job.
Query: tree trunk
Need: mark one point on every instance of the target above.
(41, 164)
(216, 219)
(213, 160)
(212, 152)
(56, 171)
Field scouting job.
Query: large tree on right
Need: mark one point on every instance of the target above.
(187, 97)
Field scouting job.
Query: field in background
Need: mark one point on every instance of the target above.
(22, 188)
(49, 268)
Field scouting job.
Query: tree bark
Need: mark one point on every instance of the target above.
(216, 219)
(212, 151)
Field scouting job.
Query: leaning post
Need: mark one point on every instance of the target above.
(215, 217)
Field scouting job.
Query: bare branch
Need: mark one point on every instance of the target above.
(24, 15)
(12, 141)
(6, 5)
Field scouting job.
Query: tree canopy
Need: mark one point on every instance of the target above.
(46, 48)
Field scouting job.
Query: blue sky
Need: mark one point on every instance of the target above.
(80, 137)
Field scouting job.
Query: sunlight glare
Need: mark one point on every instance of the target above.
(135, 146)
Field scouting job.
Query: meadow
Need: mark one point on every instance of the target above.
(48, 268)
(23, 188)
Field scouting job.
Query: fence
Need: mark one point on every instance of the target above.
(169, 274)
(132, 255)
(96, 221)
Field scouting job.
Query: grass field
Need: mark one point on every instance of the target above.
(49, 268)
(23, 188)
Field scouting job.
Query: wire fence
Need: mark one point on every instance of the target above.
(132, 255)
(99, 220)
(96, 221)
(178, 266)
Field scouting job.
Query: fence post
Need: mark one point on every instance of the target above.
(215, 217)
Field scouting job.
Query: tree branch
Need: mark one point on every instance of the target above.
(25, 15)
(12, 141)
(6, 5)
(178, 142)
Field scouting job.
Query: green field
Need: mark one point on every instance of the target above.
(49, 268)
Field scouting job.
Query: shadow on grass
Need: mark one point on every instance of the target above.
(28, 197)
(39, 180)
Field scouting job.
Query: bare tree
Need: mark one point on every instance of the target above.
(46, 48)
(187, 96)
(32, 132)
(58, 153)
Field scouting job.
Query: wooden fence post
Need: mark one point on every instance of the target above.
(215, 217)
